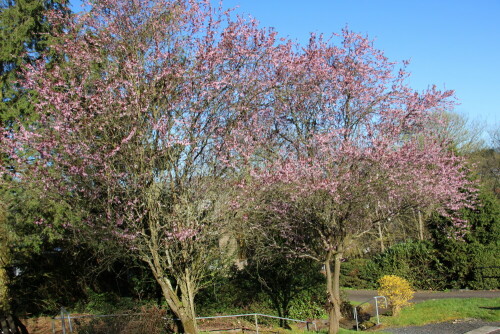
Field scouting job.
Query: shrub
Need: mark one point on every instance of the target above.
(309, 304)
(104, 303)
(397, 290)
(467, 260)
(416, 261)
(486, 266)
(355, 273)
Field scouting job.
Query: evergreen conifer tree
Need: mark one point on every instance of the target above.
(24, 35)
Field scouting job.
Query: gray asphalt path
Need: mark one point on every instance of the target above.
(467, 326)
(365, 295)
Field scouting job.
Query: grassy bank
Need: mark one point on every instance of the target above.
(442, 310)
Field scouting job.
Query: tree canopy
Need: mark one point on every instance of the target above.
(164, 118)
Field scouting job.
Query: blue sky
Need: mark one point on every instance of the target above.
(454, 44)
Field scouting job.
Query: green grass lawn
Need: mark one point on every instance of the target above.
(432, 311)
(441, 310)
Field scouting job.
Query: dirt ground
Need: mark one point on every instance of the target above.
(42, 325)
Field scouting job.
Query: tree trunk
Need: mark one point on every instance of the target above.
(285, 313)
(188, 322)
(333, 291)
(4, 290)
(182, 306)
(188, 293)
(183, 310)
(277, 303)
(280, 314)
(420, 226)
(179, 296)
(4, 263)
(381, 236)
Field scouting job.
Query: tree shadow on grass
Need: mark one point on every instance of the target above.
(490, 307)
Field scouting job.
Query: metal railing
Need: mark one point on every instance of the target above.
(256, 315)
(355, 310)
(67, 317)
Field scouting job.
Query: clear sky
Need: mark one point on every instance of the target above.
(454, 44)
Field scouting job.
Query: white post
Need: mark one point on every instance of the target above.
(355, 311)
(69, 322)
(63, 325)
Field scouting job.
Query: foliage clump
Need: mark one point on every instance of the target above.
(417, 261)
(397, 290)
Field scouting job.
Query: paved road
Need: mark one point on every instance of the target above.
(365, 295)
(449, 328)
(455, 327)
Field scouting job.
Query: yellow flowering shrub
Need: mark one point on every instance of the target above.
(397, 290)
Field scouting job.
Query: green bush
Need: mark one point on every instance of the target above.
(105, 303)
(355, 273)
(231, 295)
(465, 258)
(486, 266)
(416, 261)
(287, 290)
(309, 304)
